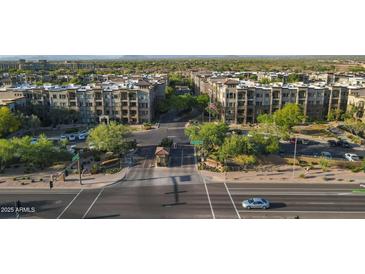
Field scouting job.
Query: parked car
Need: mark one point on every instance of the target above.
(82, 136)
(344, 143)
(332, 143)
(72, 137)
(352, 157)
(305, 141)
(256, 203)
(63, 138)
(300, 141)
(326, 154)
(34, 140)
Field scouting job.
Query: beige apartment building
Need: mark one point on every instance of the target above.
(243, 101)
(131, 101)
(357, 99)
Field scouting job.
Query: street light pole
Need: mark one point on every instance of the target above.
(79, 168)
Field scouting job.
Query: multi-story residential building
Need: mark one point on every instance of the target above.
(244, 101)
(12, 101)
(357, 99)
(130, 100)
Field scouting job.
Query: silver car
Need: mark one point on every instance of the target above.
(256, 203)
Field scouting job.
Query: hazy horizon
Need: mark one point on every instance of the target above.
(156, 57)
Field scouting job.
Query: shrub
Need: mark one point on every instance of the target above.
(166, 142)
(324, 163)
(112, 170)
(147, 125)
(245, 159)
(95, 168)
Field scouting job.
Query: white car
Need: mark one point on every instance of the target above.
(352, 157)
(63, 138)
(82, 136)
(71, 137)
(256, 203)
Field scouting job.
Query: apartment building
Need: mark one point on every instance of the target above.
(12, 101)
(357, 99)
(243, 101)
(129, 100)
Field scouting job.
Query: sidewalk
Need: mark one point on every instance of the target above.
(284, 174)
(72, 182)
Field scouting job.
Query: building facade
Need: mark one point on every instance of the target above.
(130, 101)
(241, 102)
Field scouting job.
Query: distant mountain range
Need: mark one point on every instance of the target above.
(158, 57)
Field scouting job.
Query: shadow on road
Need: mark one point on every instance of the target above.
(104, 216)
(25, 208)
(277, 205)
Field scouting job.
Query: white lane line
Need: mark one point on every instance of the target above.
(63, 211)
(301, 211)
(205, 183)
(92, 204)
(289, 188)
(318, 203)
(235, 208)
(291, 193)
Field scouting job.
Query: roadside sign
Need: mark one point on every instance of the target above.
(196, 142)
(75, 157)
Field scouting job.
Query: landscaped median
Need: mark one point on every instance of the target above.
(273, 168)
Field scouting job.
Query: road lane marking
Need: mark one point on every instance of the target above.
(77, 195)
(291, 193)
(88, 210)
(235, 208)
(205, 183)
(301, 211)
(288, 188)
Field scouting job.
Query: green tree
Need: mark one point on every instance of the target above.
(6, 152)
(202, 101)
(233, 146)
(109, 138)
(212, 134)
(8, 122)
(289, 116)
